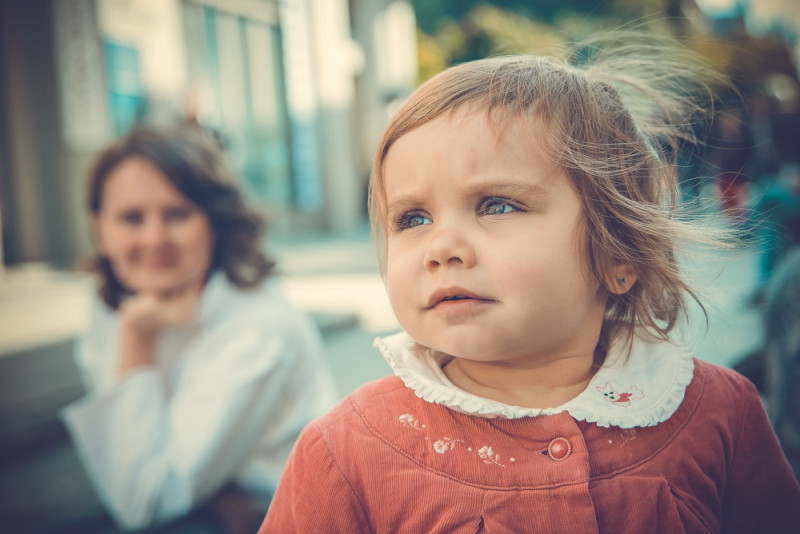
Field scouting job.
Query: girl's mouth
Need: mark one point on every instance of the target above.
(453, 294)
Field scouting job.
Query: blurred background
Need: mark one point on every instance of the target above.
(298, 92)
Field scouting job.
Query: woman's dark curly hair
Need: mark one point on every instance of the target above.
(195, 165)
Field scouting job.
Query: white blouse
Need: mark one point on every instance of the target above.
(637, 389)
(224, 402)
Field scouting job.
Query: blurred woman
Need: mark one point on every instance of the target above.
(201, 374)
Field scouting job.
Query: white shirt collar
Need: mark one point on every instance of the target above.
(644, 389)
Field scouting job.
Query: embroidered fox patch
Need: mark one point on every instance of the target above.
(620, 398)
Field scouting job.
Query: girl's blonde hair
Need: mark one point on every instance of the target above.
(613, 116)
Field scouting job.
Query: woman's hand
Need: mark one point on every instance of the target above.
(144, 316)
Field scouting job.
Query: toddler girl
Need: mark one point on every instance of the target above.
(524, 211)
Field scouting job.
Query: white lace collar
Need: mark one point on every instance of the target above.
(642, 390)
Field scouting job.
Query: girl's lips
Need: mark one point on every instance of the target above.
(453, 294)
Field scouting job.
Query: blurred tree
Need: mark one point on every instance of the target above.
(453, 31)
(489, 30)
(431, 13)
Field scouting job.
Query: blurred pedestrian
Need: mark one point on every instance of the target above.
(525, 208)
(775, 210)
(782, 354)
(732, 149)
(776, 216)
(201, 374)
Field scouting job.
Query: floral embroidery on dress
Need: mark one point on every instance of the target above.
(489, 456)
(410, 421)
(628, 434)
(620, 398)
(447, 444)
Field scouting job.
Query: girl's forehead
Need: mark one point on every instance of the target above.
(496, 125)
(470, 140)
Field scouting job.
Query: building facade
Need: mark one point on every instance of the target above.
(297, 91)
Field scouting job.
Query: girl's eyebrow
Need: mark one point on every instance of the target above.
(402, 201)
(512, 188)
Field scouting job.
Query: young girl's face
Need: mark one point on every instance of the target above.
(484, 240)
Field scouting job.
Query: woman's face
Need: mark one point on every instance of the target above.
(157, 240)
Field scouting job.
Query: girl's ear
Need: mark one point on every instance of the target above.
(624, 276)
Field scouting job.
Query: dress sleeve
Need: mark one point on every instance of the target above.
(154, 453)
(314, 495)
(761, 494)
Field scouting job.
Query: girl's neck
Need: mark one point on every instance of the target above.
(544, 386)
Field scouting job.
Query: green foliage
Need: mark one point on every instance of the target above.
(492, 31)
(454, 31)
(431, 12)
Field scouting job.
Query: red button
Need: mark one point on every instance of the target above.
(559, 449)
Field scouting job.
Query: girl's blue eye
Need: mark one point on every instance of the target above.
(497, 206)
(410, 220)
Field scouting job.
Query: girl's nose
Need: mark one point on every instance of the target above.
(449, 247)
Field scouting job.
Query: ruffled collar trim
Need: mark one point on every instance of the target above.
(642, 390)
